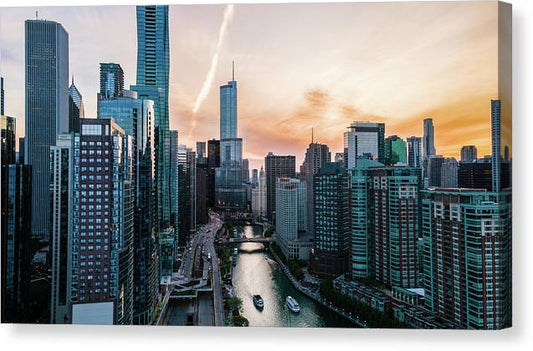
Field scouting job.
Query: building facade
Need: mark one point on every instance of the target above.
(331, 244)
(467, 256)
(259, 196)
(111, 81)
(277, 166)
(468, 153)
(414, 152)
(395, 150)
(76, 109)
(366, 140)
(46, 102)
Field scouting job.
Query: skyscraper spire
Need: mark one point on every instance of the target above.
(72, 79)
(233, 70)
(312, 135)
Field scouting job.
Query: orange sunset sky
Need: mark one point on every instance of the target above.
(298, 66)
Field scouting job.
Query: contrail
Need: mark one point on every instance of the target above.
(228, 14)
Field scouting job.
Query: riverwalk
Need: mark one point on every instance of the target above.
(316, 295)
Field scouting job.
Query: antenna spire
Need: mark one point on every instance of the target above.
(233, 70)
(36, 15)
(312, 135)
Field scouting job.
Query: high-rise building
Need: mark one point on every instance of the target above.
(277, 166)
(245, 170)
(316, 157)
(103, 211)
(331, 244)
(467, 256)
(213, 162)
(414, 151)
(187, 193)
(136, 116)
(152, 84)
(259, 196)
(62, 163)
(2, 95)
(111, 81)
(255, 177)
(76, 109)
(478, 175)
(394, 208)
(362, 235)
(364, 140)
(339, 158)
(229, 190)
(21, 157)
(434, 170)
(174, 181)
(495, 119)
(291, 221)
(15, 245)
(201, 152)
(395, 150)
(449, 173)
(8, 130)
(468, 153)
(202, 172)
(46, 84)
(428, 142)
(428, 148)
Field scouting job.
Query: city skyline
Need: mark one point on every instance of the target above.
(447, 73)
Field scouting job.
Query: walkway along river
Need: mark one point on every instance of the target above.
(256, 273)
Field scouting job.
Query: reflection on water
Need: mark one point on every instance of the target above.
(255, 274)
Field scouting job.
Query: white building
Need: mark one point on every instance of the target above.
(291, 219)
(259, 196)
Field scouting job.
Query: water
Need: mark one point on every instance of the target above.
(254, 274)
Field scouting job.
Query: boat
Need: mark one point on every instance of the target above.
(292, 304)
(258, 302)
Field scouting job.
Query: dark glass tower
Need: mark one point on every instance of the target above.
(152, 84)
(76, 109)
(230, 192)
(46, 109)
(111, 81)
(277, 167)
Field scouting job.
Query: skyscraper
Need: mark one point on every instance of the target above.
(255, 177)
(245, 170)
(152, 84)
(213, 162)
(62, 163)
(229, 190)
(136, 116)
(414, 150)
(277, 167)
(467, 256)
(428, 148)
(201, 152)
(76, 109)
(174, 181)
(366, 140)
(428, 142)
(291, 210)
(316, 157)
(394, 208)
(362, 256)
(434, 170)
(15, 245)
(495, 118)
(449, 173)
(395, 150)
(259, 196)
(103, 210)
(2, 95)
(468, 153)
(331, 245)
(111, 81)
(46, 105)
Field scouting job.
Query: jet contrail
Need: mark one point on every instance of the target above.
(228, 14)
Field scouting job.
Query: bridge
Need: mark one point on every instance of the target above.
(259, 239)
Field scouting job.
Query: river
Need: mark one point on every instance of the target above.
(254, 274)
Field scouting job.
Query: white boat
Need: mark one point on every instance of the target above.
(258, 302)
(292, 304)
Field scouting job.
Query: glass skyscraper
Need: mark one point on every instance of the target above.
(230, 192)
(46, 107)
(152, 84)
